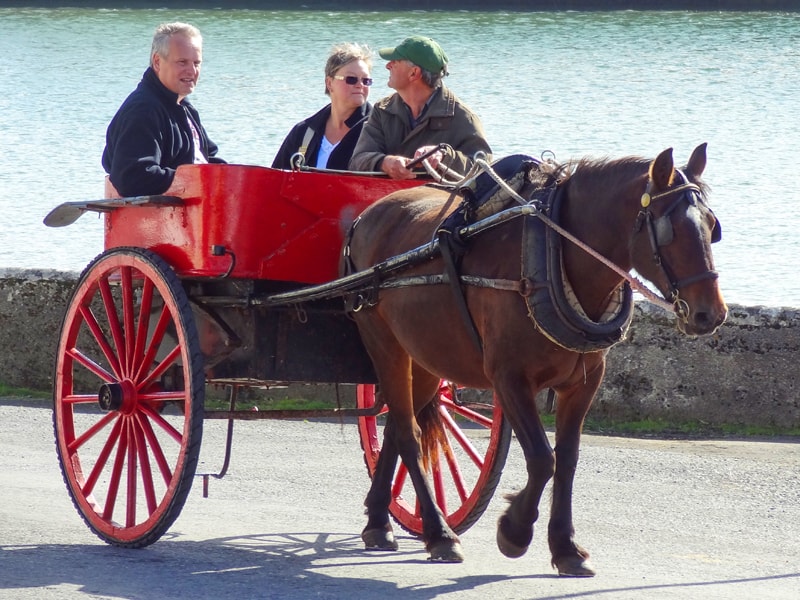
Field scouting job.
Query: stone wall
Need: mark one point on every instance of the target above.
(744, 374)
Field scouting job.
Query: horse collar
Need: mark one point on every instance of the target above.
(551, 304)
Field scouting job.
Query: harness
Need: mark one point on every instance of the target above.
(661, 233)
(551, 305)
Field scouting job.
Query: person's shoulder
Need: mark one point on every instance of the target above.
(450, 96)
(386, 102)
(319, 118)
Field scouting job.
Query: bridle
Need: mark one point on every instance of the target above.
(661, 233)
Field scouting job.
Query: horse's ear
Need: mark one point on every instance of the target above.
(697, 163)
(662, 169)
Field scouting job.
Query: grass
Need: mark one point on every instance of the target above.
(18, 392)
(686, 429)
(641, 428)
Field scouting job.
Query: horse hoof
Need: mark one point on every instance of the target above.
(575, 566)
(509, 548)
(379, 539)
(449, 552)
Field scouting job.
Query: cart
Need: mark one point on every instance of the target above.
(228, 279)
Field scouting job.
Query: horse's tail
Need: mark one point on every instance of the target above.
(433, 438)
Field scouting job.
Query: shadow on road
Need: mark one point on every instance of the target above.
(286, 566)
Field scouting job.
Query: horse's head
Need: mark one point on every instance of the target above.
(671, 242)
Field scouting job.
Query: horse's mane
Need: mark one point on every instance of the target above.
(610, 172)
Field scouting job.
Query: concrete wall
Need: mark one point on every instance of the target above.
(744, 374)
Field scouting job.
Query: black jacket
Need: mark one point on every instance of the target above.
(340, 157)
(150, 137)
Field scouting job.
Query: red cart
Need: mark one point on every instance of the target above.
(229, 278)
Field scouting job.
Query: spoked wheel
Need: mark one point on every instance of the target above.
(128, 399)
(464, 466)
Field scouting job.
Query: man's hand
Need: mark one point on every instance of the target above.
(434, 159)
(395, 167)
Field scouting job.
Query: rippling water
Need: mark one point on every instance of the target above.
(598, 84)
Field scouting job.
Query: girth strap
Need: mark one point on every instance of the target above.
(448, 246)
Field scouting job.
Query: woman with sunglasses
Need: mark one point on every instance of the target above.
(327, 138)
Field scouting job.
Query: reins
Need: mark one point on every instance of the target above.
(635, 283)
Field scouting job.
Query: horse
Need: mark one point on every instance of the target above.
(636, 213)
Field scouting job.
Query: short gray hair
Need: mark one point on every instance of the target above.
(345, 53)
(165, 31)
(431, 79)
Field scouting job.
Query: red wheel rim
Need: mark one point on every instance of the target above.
(128, 446)
(464, 470)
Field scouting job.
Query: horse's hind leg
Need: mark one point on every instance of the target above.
(378, 533)
(402, 437)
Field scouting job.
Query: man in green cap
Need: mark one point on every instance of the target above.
(420, 115)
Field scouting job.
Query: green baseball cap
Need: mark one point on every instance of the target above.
(422, 51)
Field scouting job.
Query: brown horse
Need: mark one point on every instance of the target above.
(639, 214)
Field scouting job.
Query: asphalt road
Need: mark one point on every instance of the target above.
(662, 519)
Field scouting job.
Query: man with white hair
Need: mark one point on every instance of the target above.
(156, 129)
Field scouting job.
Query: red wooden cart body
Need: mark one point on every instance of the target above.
(273, 224)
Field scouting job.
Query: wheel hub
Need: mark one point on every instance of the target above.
(113, 396)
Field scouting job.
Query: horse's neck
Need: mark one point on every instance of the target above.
(603, 223)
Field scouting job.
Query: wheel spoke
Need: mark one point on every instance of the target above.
(73, 445)
(116, 474)
(399, 480)
(144, 324)
(171, 396)
(113, 323)
(100, 338)
(155, 448)
(457, 478)
(91, 366)
(79, 399)
(462, 439)
(102, 459)
(132, 472)
(127, 316)
(470, 414)
(163, 423)
(165, 364)
(164, 319)
(144, 465)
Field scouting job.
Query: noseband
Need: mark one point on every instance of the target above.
(661, 233)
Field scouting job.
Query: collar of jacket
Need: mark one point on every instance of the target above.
(318, 120)
(442, 104)
(151, 80)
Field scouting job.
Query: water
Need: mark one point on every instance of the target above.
(598, 84)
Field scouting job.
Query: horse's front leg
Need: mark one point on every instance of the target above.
(568, 557)
(515, 527)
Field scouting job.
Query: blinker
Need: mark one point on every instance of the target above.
(716, 232)
(664, 231)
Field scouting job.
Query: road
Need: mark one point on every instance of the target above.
(670, 519)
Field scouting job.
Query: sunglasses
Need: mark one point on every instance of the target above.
(353, 80)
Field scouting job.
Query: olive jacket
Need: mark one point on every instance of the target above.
(446, 120)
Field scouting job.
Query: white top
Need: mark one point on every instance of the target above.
(198, 153)
(325, 149)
